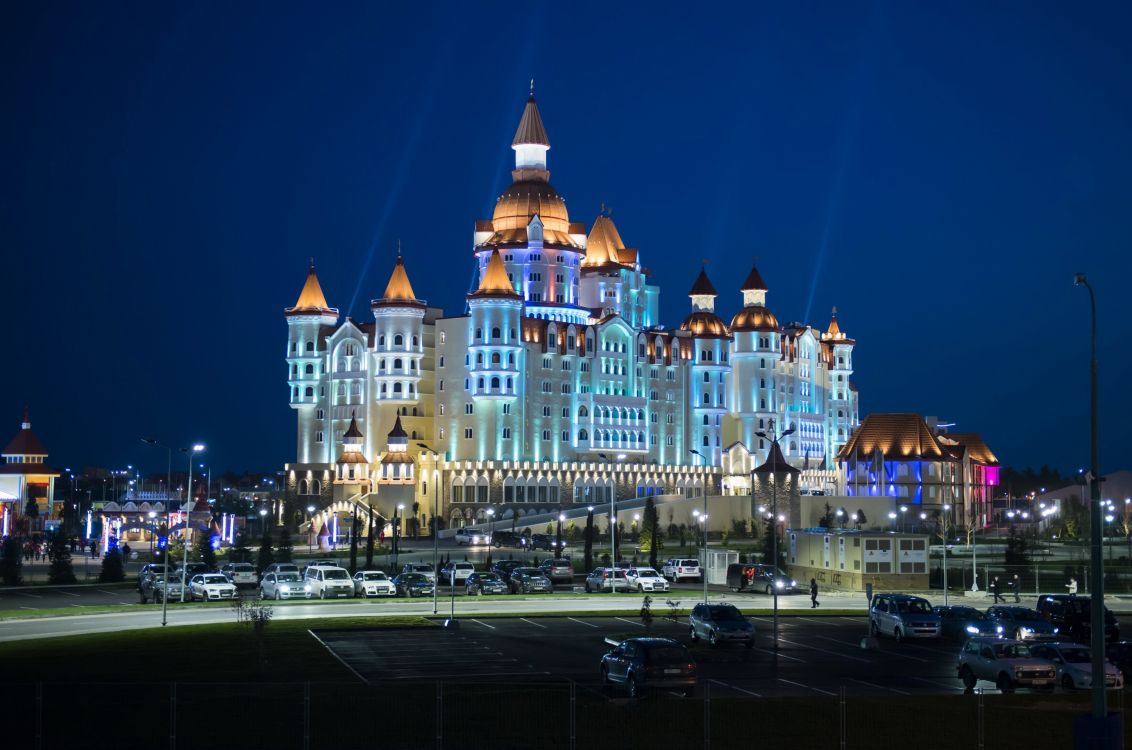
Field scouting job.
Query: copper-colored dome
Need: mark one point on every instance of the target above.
(705, 324)
(754, 319)
(520, 202)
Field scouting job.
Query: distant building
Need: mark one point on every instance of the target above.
(27, 483)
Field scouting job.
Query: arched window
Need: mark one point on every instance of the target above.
(496, 334)
(398, 340)
(309, 392)
(398, 364)
(310, 346)
(705, 441)
(304, 487)
(495, 382)
(316, 487)
(583, 412)
(495, 358)
(381, 340)
(479, 359)
(416, 341)
(583, 435)
(510, 360)
(396, 387)
(309, 370)
(479, 334)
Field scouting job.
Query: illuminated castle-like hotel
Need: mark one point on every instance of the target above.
(558, 384)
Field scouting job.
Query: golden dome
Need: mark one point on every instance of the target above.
(704, 324)
(525, 198)
(754, 319)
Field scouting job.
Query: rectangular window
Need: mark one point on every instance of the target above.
(468, 433)
(469, 408)
(441, 363)
(565, 436)
(507, 408)
(440, 387)
(442, 410)
(565, 412)
(546, 434)
(546, 363)
(506, 433)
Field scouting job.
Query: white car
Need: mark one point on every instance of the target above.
(286, 585)
(423, 568)
(283, 568)
(210, 587)
(240, 574)
(470, 537)
(461, 571)
(329, 582)
(679, 569)
(369, 583)
(1074, 665)
(645, 579)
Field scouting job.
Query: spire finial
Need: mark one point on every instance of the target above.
(835, 311)
(532, 87)
(602, 211)
(312, 263)
(704, 262)
(398, 247)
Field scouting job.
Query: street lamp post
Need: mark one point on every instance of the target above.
(435, 523)
(946, 523)
(196, 448)
(612, 518)
(703, 533)
(310, 529)
(774, 451)
(168, 489)
(491, 529)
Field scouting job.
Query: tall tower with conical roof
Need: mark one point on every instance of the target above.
(307, 322)
(842, 410)
(710, 373)
(398, 340)
(756, 354)
(353, 466)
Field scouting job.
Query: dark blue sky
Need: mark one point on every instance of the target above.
(937, 173)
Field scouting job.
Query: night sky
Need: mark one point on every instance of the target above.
(937, 173)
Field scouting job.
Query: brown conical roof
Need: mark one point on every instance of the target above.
(311, 299)
(604, 245)
(833, 329)
(776, 462)
(703, 286)
(398, 431)
(494, 282)
(531, 129)
(754, 282)
(353, 432)
(398, 291)
(25, 443)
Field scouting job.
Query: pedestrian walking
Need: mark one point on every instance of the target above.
(1072, 586)
(814, 594)
(1015, 585)
(996, 589)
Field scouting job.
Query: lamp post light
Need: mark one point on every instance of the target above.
(152, 515)
(168, 491)
(435, 522)
(397, 512)
(612, 518)
(491, 527)
(703, 522)
(262, 521)
(945, 523)
(903, 512)
(774, 451)
(310, 529)
(892, 517)
(191, 451)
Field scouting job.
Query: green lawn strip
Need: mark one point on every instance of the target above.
(223, 652)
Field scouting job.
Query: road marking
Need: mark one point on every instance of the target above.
(889, 653)
(590, 624)
(818, 690)
(825, 651)
(532, 622)
(631, 622)
(68, 593)
(104, 591)
(821, 621)
(464, 675)
(27, 607)
(784, 656)
(339, 658)
(76, 605)
(31, 596)
(477, 622)
(732, 687)
(879, 687)
(938, 683)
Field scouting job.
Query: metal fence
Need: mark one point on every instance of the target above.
(550, 716)
(1039, 578)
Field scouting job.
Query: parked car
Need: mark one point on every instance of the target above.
(678, 569)
(718, 623)
(1120, 654)
(1072, 616)
(645, 579)
(1022, 623)
(211, 587)
(240, 574)
(191, 570)
(510, 539)
(558, 570)
(1006, 663)
(285, 585)
(153, 587)
(470, 537)
(530, 581)
(646, 663)
(961, 622)
(425, 569)
(546, 542)
(606, 579)
(764, 578)
(503, 569)
(456, 573)
(330, 562)
(329, 581)
(1074, 664)
(369, 583)
(484, 583)
(903, 616)
(413, 584)
(149, 570)
(283, 568)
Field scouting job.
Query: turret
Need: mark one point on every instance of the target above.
(306, 323)
(495, 350)
(398, 339)
(396, 464)
(353, 466)
(756, 352)
(842, 407)
(710, 371)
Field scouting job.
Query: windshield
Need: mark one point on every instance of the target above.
(967, 613)
(529, 571)
(914, 606)
(336, 575)
(413, 578)
(375, 576)
(1076, 655)
(1021, 613)
(1012, 650)
(242, 567)
(690, 563)
(215, 579)
(725, 614)
(288, 578)
(421, 568)
(490, 578)
(647, 573)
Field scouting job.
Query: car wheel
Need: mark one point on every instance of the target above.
(734, 589)
(640, 589)
(604, 675)
(588, 590)
(688, 692)
(1004, 683)
(322, 594)
(1067, 683)
(634, 688)
(873, 630)
(768, 591)
(898, 635)
(1018, 634)
(711, 639)
(693, 634)
(278, 595)
(968, 677)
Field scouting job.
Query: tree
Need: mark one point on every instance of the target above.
(112, 568)
(826, 520)
(60, 571)
(11, 562)
(1016, 549)
(370, 531)
(769, 535)
(240, 551)
(588, 538)
(416, 520)
(650, 531)
(203, 551)
(861, 518)
(266, 555)
(353, 539)
(31, 509)
(285, 548)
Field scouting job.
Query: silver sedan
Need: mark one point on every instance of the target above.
(284, 586)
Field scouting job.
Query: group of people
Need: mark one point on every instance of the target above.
(1013, 584)
(38, 549)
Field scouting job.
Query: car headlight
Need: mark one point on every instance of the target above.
(973, 630)
(779, 584)
(284, 588)
(307, 587)
(998, 628)
(1056, 630)
(1025, 631)
(793, 583)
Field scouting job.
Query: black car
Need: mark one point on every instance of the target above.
(1120, 654)
(530, 581)
(484, 583)
(412, 584)
(558, 570)
(509, 539)
(644, 663)
(546, 542)
(503, 569)
(961, 622)
(1072, 616)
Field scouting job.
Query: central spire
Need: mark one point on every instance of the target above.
(530, 142)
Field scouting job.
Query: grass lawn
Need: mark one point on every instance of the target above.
(227, 652)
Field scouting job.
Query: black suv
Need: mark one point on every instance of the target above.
(546, 542)
(503, 568)
(1071, 615)
(509, 539)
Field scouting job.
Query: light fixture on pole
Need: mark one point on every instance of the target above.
(703, 532)
(168, 491)
(945, 523)
(612, 517)
(435, 520)
(775, 451)
(196, 448)
(310, 528)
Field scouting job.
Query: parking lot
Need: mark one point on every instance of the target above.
(816, 655)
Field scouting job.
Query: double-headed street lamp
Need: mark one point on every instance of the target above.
(703, 520)
(191, 451)
(435, 524)
(774, 452)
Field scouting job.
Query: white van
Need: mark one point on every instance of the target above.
(329, 582)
